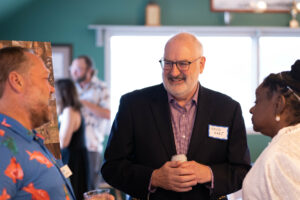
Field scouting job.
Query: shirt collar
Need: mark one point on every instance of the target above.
(287, 130)
(15, 126)
(194, 98)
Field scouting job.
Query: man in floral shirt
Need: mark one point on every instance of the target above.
(27, 169)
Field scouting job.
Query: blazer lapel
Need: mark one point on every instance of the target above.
(200, 128)
(161, 113)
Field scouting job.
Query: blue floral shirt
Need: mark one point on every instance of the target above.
(27, 169)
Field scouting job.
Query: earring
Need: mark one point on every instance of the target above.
(277, 118)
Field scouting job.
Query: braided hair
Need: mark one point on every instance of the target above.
(287, 83)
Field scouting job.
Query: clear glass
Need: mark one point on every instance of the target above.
(98, 194)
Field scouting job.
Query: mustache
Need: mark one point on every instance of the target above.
(175, 78)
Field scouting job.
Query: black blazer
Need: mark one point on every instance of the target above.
(142, 140)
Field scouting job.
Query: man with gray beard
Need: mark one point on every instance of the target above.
(178, 140)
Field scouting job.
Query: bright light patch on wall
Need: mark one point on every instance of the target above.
(58, 68)
(277, 54)
(261, 5)
(298, 6)
(134, 64)
(229, 69)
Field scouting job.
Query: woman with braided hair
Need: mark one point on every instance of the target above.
(276, 113)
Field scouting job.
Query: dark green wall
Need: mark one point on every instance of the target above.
(66, 21)
(256, 145)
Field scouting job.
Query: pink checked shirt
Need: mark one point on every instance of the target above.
(183, 119)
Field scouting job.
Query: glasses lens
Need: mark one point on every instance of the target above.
(183, 65)
(168, 64)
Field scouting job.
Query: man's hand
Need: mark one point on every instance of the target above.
(202, 172)
(172, 177)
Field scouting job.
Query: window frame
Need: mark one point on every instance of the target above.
(105, 32)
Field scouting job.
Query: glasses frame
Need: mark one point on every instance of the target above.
(161, 61)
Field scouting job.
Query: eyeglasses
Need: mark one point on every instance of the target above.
(182, 65)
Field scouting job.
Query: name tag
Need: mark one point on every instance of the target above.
(66, 171)
(218, 132)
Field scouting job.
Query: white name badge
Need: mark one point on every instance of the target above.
(66, 171)
(218, 132)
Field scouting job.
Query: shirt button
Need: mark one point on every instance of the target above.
(183, 136)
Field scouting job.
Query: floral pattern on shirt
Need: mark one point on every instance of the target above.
(4, 195)
(24, 160)
(38, 156)
(14, 170)
(37, 194)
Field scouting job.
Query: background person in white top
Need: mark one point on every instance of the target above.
(95, 99)
(276, 173)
